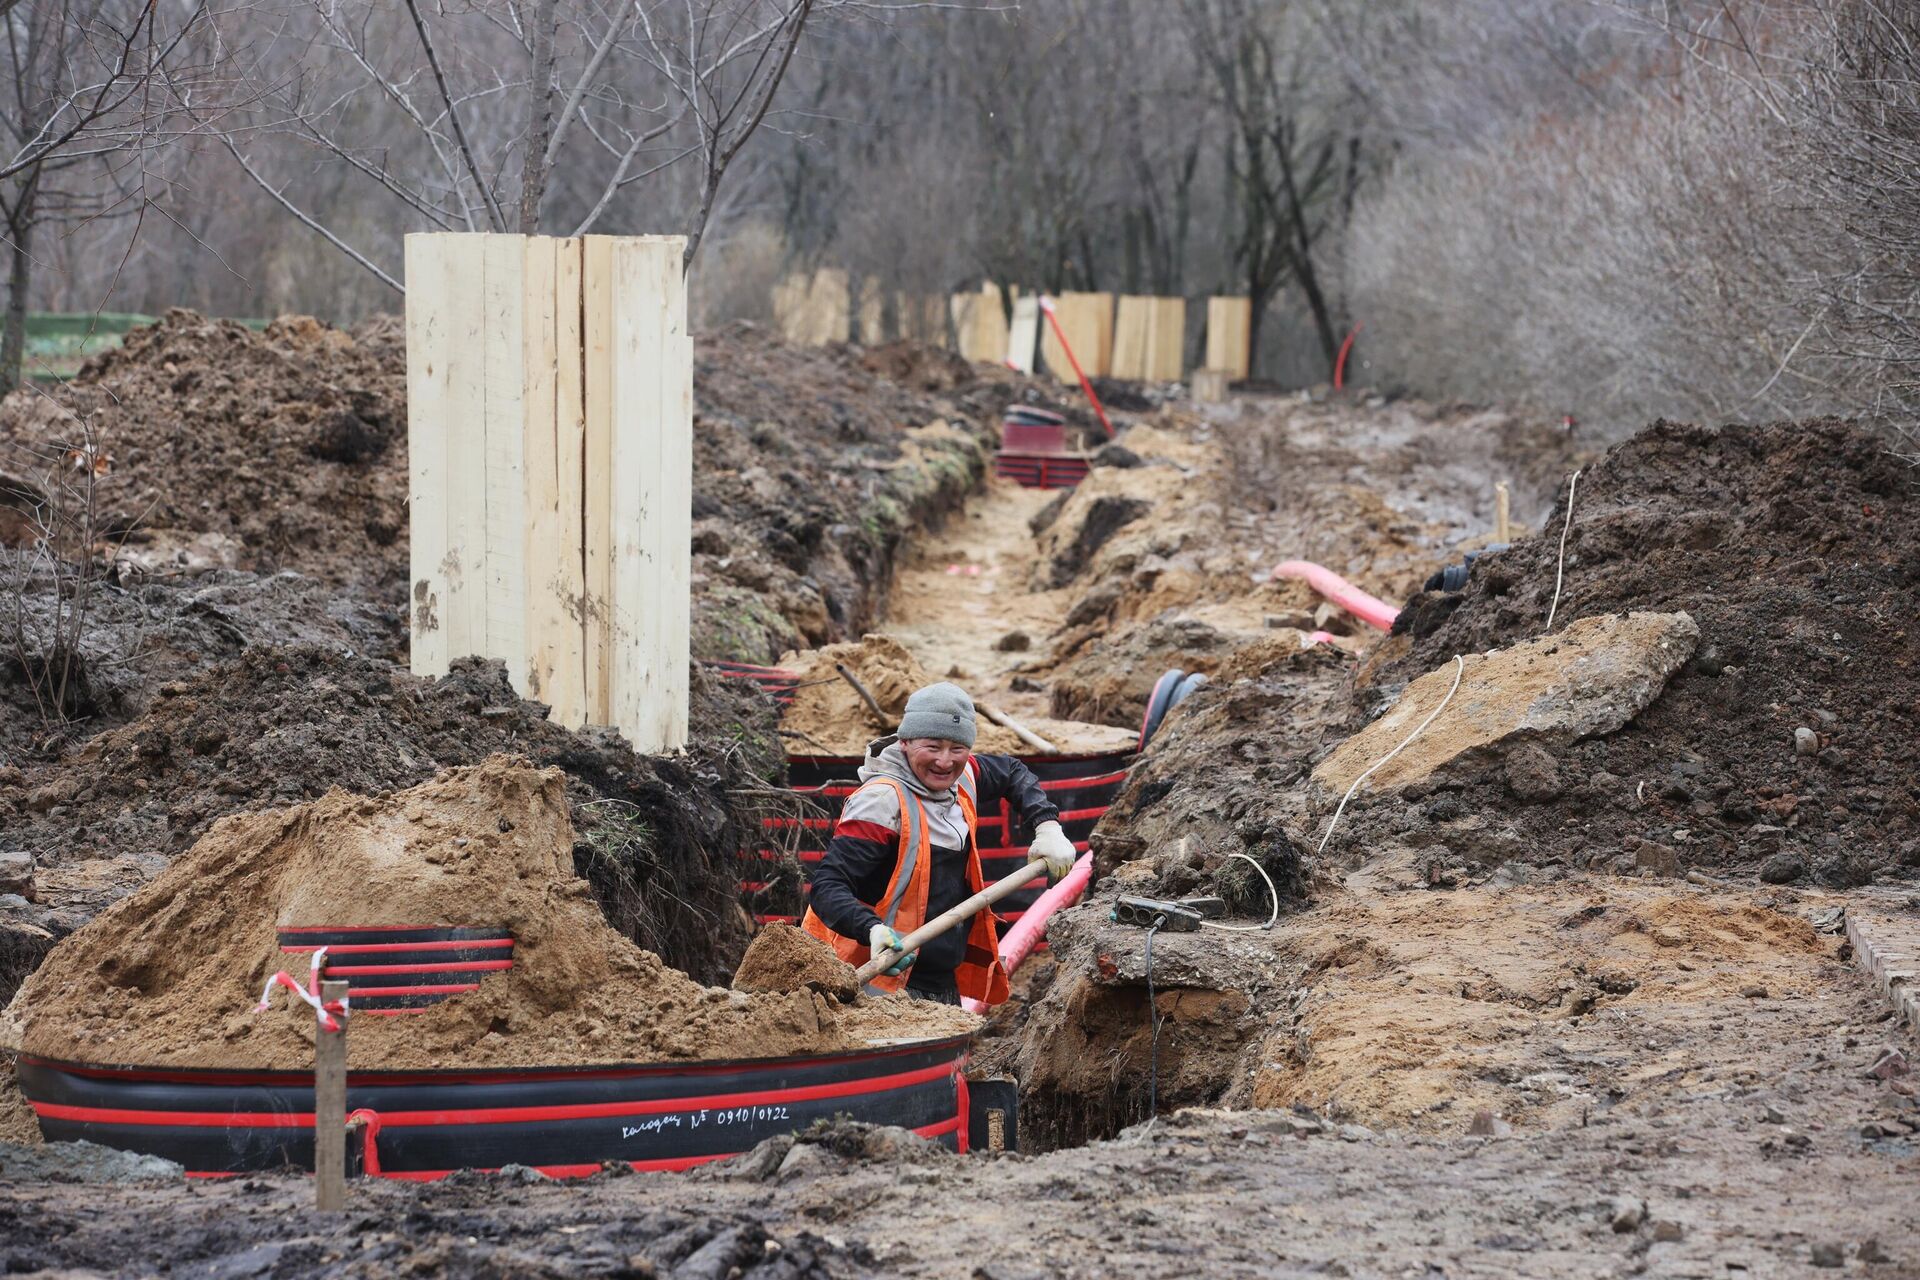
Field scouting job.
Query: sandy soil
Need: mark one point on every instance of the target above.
(1469, 1047)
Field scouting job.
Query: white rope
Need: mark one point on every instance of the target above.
(1271, 892)
(1559, 574)
(1459, 669)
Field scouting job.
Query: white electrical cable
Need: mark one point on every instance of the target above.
(1459, 669)
(1559, 574)
(1271, 892)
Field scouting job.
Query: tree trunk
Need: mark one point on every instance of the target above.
(533, 179)
(13, 343)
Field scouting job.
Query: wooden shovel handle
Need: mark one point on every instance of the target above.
(950, 917)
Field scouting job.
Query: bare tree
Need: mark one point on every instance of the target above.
(83, 110)
(460, 118)
(1290, 164)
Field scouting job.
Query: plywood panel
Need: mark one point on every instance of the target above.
(830, 306)
(651, 492)
(445, 398)
(555, 440)
(503, 344)
(873, 306)
(597, 359)
(1087, 319)
(980, 323)
(1130, 335)
(1229, 335)
(1166, 339)
(1023, 335)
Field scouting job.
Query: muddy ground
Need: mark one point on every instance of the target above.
(1755, 1172)
(244, 643)
(1573, 1004)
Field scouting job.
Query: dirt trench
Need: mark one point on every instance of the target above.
(1473, 979)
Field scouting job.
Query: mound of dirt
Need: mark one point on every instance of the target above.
(150, 633)
(1547, 692)
(279, 725)
(1793, 546)
(291, 441)
(828, 717)
(784, 958)
(169, 976)
(287, 448)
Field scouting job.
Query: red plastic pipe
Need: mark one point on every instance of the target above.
(1371, 610)
(1046, 305)
(1032, 926)
(1340, 364)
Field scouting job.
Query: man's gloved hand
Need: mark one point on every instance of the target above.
(879, 938)
(1051, 846)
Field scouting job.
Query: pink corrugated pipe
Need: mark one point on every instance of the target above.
(1371, 610)
(1032, 924)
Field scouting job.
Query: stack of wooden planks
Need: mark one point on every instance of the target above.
(550, 439)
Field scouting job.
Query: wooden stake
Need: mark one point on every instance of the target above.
(1502, 521)
(1020, 731)
(873, 704)
(330, 1109)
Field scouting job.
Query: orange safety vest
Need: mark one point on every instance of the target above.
(903, 907)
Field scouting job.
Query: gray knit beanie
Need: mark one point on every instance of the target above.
(939, 711)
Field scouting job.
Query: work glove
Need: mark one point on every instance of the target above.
(1051, 846)
(879, 939)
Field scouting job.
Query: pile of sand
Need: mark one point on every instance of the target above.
(784, 958)
(828, 718)
(169, 976)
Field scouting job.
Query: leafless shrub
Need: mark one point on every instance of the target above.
(52, 571)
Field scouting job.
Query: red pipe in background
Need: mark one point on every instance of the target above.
(1371, 610)
(1046, 305)
(1032, 925)
(1340, 363)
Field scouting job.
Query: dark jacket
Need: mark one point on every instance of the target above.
(866, 844)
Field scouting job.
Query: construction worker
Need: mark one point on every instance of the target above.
(904, 850)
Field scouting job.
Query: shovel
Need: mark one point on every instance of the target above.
(950, 917)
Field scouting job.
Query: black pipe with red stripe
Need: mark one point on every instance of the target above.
(561, 1120)
(395, 969)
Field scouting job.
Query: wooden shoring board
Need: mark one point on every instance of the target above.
(1166, 339)
(1023, 335)
(980, 323)
(445, 437)
(1131, 329)
(503, 477)
(1087, 319)
(829, 307)
(652, 493)
(597, 359)
(1230, 335)
(790, 300)
(555, 502)
(872, 312)
(923, 317)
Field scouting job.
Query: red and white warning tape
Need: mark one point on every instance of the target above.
(323, 1010)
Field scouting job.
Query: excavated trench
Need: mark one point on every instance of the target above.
(1074, 605)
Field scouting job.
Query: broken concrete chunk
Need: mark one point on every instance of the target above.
(1592, 678)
